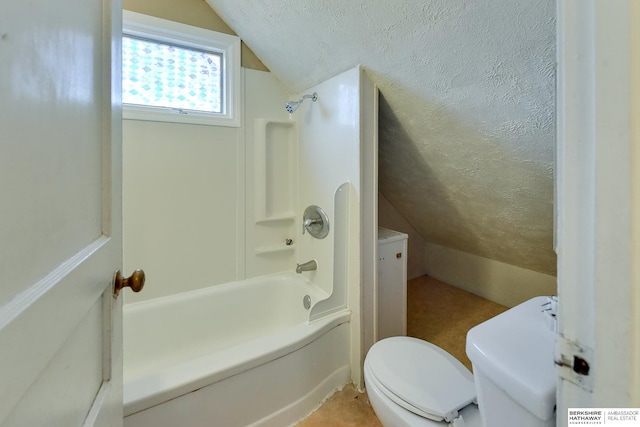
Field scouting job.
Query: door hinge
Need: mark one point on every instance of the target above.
(574, 362)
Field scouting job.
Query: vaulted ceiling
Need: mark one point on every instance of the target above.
(467, 114)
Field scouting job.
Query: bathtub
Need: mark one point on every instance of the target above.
(238, 354)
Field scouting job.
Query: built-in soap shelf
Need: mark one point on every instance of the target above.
(263, 250)
(277, 218)
(275, 170)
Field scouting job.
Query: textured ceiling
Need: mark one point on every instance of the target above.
(467, 115)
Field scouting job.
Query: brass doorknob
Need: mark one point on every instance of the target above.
(135, 281)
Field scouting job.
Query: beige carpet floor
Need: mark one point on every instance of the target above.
(436, 312)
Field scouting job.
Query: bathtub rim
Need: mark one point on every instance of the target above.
(316, 293)
(194, 374)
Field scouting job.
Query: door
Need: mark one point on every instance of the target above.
(598, 205)
(60, 212)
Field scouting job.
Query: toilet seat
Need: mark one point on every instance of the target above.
(421, 377)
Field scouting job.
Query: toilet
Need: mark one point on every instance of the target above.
(413, 383)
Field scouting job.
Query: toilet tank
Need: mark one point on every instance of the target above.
(513, 367)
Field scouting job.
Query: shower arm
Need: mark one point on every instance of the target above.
(313, 96)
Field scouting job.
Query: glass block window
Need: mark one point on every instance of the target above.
(162, 75)
(173, 72)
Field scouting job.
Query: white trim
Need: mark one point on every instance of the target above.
(136, 24)
(598, 198)
(503, 283)
(634, 17)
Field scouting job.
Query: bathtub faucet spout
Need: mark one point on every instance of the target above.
(307, 266)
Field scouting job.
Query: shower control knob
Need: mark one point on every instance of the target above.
(315, 221)
(135, 281)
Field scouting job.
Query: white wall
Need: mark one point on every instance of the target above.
(329, 155)
(180, 202)
(336, 134)
(184, 198)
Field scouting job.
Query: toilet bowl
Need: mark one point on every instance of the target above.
(413, 383)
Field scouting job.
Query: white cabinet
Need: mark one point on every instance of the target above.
(391, 298)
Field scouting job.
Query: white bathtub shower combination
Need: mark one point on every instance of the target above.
(249, 353)
(238, 354)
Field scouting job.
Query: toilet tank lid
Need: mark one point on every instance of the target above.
(515, 351)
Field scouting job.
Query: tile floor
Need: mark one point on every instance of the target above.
(436, 312)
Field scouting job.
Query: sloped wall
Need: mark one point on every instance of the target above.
(467, 118)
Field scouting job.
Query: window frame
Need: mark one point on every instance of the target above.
(182, 35)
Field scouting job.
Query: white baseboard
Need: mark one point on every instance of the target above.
(496, 281)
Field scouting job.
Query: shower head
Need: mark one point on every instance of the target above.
(294, 105)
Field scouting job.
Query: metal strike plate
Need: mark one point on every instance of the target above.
(575, 363)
